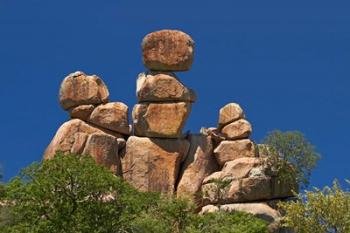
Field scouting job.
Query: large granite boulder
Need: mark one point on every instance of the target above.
(199, 163)
(246, 181)
(78, 137)
(112, 116)
(81, 89)
(230, 113)
(231, 150)
(153, 164)
(162, 87)
(168, 50)
(239, 129)
(163, 120)
(247, 190)
(104, 149)
(236, 169)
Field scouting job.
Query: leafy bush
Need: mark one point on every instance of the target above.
(169, 215)
(222, 222)
(326, 210)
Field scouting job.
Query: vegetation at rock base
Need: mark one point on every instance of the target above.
(326, 210)
(73, 194)
(292, 153)
(222, 222)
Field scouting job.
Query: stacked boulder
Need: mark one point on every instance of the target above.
(153, 156)
(246, 181)
(97, 128)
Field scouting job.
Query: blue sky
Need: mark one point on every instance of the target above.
(285, 62)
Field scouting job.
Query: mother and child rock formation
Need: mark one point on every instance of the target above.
(152, 153)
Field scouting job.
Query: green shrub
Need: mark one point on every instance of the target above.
(222, 222)
(326, 210)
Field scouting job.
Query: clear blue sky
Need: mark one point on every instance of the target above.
(285, 62)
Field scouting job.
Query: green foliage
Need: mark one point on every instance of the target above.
(68, 194)
(176, 217)
(169, 215)
(292, 154)
(222, 222)
(73, 194)
(326, 210)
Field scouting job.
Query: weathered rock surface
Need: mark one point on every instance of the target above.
(235, 192)
(78, 142)
(81, 112)
(199, 163)
(78, 137)
(247, 179)
(112, 116)
(153, 164)
(239, 129)
(236, 169)
(104, 149)
(231, 150)
(260, 188)
(164, 120)
(81, 89)
(162, 87)
(248, 189)
(229, 113)
(260, 210)
(70, 138)
(168, 50)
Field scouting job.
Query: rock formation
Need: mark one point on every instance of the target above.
(153, 156)
(97, 128)
(219, 168)
(245, 181)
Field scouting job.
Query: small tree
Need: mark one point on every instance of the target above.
(295, 154)
(70, 194)
(326, 210)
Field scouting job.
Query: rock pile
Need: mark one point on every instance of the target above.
(153, 156)
(246, 181)
(219, 168)
(97, 128)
